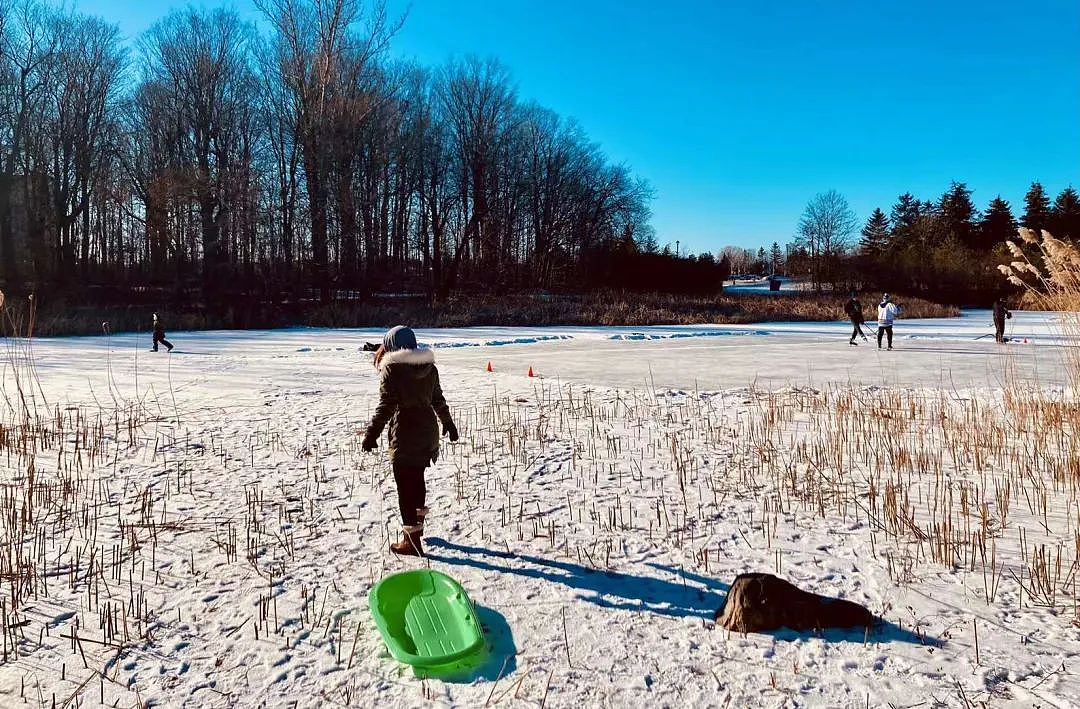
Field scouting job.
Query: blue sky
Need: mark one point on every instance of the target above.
(739, 112)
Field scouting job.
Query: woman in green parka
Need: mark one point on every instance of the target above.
(412, 403)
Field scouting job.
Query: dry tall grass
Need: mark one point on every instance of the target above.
(1056, 284)
(516, 310)
(25, 394)
(1051, 281)
(608, 309)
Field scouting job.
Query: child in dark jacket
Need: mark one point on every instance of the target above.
(411, 401)
(159, 335)
(853, 309)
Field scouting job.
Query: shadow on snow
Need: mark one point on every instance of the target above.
(882, 631)
(688, 595)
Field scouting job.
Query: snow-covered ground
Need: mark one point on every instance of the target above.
(212, 544)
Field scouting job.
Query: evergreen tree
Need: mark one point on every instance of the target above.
(776, 258)
(1065, 216)
(905, 213)
(956, 214)
(875, 234)
(997, 224)
(1036, 208)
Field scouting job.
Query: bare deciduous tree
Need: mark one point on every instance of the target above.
(320, 51)
(825, 229)
(28, 47)
(201, 61)
(82, 131)
(476, 99)
(230, 164)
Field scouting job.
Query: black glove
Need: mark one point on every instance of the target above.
(369, 444)
(451, 430)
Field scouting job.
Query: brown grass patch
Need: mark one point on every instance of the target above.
(604, 309)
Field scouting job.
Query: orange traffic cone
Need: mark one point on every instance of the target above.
(1025, 340)
(531, 372)
(489, 367)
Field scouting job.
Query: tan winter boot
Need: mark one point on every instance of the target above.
(410, 541)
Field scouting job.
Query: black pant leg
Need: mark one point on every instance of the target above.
(166, 343)
(999, 330)
(888, 331)
(880, 334)
(411, 490)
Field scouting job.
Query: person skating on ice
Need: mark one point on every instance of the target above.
(159, 335)
(1001, 313)
(853, 309)
(411, 401)
(887, 312)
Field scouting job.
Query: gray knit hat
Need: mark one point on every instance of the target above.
(399, 338)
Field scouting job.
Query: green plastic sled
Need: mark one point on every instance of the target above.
(425, 618)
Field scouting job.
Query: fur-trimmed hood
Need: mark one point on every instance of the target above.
(418, 357)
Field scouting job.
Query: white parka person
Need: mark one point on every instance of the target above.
(887, 312)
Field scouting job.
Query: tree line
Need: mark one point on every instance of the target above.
(212, 161)
(945, 248)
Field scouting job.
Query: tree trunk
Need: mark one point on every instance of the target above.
(319, 252)
(84, 260)
(9, 268)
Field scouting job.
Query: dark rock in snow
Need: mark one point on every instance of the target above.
(759, 602)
